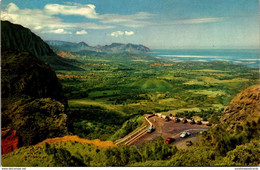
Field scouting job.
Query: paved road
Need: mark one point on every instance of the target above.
(170, 129)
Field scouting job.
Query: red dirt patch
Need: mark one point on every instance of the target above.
(159, 64)
(64, 54)
(9, 141)
(156, 64)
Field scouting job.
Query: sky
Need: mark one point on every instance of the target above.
(158, 24)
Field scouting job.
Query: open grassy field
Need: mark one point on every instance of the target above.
(209, 93)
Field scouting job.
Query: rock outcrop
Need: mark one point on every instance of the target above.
(32, 100)
(243, 107)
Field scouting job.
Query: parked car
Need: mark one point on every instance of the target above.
(198, 122)
(167, 118)
(151, 129)
(185, 134)
(177, 120)
(192, 121)
(184, 120)
(169, 140)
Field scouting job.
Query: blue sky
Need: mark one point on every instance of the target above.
(154, 23)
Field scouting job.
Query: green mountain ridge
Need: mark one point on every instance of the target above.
(18, 38)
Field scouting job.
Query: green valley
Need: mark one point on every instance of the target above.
(186, 89)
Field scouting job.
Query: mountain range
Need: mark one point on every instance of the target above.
(84, 47)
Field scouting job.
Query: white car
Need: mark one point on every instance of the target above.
(185, 134)
(151, 129)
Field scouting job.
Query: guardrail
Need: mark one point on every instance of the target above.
(147, 119)
(135, 135)
(121, 140)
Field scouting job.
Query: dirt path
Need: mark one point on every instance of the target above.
(171, 129)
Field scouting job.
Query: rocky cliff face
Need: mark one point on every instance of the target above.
(25, 74)
(33, 103)
(244, 107)
(36, 119)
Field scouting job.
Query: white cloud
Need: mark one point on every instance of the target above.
(197, 20)
(11, 7)
(87, 10)
(134, 20)
(44, 21)
(115, 18)
(128, 33)
(81, 32)
(117, 34)
(121, 33)
(38, 27)
(60, 31)
(27, 17)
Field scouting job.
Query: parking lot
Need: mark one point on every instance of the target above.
(171, 129)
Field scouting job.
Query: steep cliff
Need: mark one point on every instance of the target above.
(18, 38)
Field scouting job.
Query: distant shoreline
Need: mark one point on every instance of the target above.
(249, 57)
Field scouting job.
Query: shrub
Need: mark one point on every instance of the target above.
(243, 155)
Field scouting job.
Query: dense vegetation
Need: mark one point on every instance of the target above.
(155, 153)
(32, 101)
(94, 122)
(35, 119)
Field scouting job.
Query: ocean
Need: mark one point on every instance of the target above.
(247, 57)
